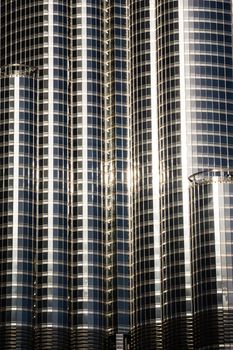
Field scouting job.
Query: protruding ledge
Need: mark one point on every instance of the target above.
(21, 70)
(209, 175)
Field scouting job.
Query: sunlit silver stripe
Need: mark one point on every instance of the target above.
(155, 154)
(50, 144)
(84, 150)
(217, 238)
(184, 153)
(16, 187)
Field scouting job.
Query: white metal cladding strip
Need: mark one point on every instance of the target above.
(50, 137)
(84, 149)
(217, 238)
(184, 155)
(15, 182)
(155, 156)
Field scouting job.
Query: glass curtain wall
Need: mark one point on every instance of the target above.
(117, 172)
(207, 90)
(211, 195)
(88, 292)
(195, 131)
(18, 140)
(35, 33)
(175, 260)
(146, 310)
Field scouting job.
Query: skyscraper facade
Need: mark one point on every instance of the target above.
(116, 170)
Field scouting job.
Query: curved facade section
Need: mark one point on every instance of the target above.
(146, 312)
(195, 132)
(36, 34)
(18, 143)
(88, 289)
(175, 261)
(100, 232)
(207, 57)
(97, 144)
(207, 37)
(211, 199)
(52, 318)
(117, 170)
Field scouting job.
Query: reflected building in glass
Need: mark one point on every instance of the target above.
(116, 165)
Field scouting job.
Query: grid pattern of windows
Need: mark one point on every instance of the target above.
(37, 34)
(209, 82)
(52, 259)
(146, 318)
(176, 323)
(126, 100)
(65, 41)
(208, 107)
(117, 167)
(22, 32)
(211, 196)
(195, 131)
(88, 293)
(18, 145)
(100, 227)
